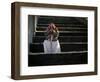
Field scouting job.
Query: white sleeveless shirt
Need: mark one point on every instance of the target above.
(51, 46)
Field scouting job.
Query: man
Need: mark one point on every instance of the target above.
(51, 44)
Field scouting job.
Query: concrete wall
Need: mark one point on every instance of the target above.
(31, 28)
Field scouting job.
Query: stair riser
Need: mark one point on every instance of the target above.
(61, 29)
(63, 34)
(55, 59)
(36, 48)
(61, 39)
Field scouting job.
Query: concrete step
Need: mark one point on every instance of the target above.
(61, 20)
(39, 39)
(65, 47)
(64, 29)
(57, 59)
(67, 33)
(63, 25)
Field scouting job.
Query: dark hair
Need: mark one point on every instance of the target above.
(52, 30)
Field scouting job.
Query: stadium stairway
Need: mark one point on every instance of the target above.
(72, 38)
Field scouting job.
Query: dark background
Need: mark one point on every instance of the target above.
(72, 38)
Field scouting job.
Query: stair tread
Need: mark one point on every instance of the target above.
(39, 39)
(63, 24)
(64, 29)
(58, 59)
(64, 33)
(63, 43)
(59, 36)
(64, 47)
(69, 52)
